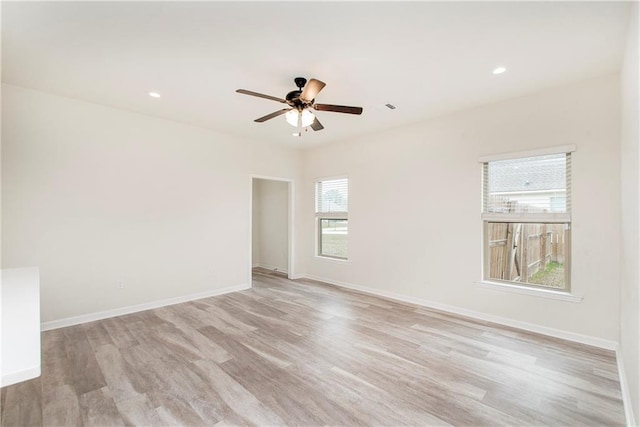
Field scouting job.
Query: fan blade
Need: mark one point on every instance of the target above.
(272, 115)
(311, 89)
(338, 108)
(316, 125)
(260, 95)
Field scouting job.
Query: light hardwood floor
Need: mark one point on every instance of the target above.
(306, 353)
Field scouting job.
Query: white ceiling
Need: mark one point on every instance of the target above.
(426, 58)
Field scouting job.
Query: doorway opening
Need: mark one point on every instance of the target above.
(271, 226)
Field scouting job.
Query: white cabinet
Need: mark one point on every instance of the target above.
(20, 304)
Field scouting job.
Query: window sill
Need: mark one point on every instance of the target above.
(329, 259)
(543, 293)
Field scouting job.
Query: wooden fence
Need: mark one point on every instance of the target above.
(520, 250)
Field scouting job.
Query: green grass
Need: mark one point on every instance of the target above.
(334, 245)
(552, 276)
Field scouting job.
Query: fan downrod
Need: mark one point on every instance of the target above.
(300, 82)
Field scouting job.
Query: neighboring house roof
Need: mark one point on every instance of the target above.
(522, 175)
(331, 206)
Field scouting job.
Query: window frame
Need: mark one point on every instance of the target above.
(561, 218)
(320, 216)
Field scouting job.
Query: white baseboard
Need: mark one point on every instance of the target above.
(17, 377)
(90, 317)
(271, 267)
(624, 386)
(544, 330)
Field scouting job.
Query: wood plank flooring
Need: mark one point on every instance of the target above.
(305, 353)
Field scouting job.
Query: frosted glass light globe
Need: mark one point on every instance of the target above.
(306, 116)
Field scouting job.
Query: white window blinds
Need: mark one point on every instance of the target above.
(332, 196)
(528, 185)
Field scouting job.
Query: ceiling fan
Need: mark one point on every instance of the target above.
(301, 102)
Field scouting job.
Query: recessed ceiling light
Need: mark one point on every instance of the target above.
(499, 70)
(154, 94)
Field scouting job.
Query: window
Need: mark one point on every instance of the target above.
(527, 220)
(332, 201)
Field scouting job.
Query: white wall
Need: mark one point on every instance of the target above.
(630, 183)
(95, 195)
(271, 225)
(415, 198)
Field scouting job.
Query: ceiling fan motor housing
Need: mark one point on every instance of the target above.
(293, 99)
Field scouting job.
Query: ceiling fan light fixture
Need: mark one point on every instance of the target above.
(305, 116)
